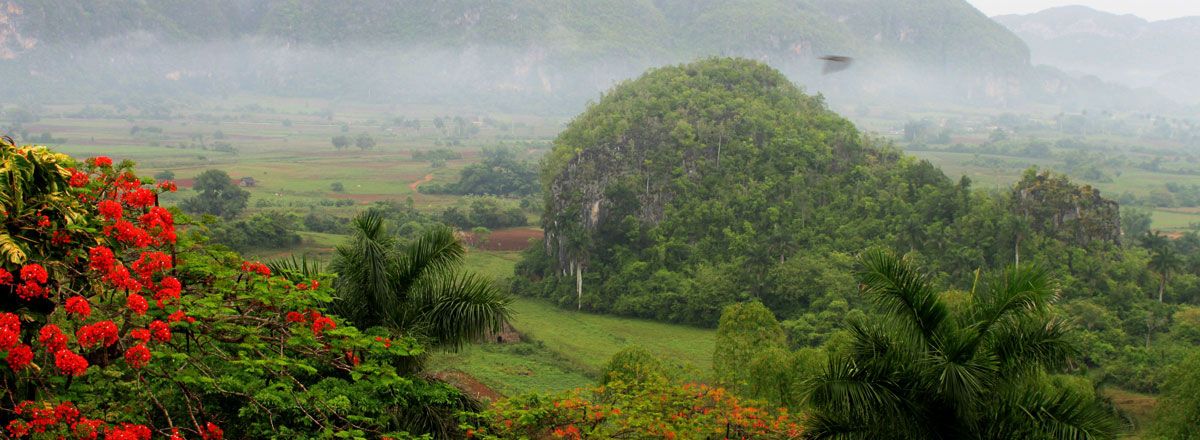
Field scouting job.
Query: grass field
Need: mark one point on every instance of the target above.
(564, 349)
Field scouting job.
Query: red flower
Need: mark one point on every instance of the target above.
(140, 334)
(102, 259)
(70, 363)
(44, 222)
(52, 338)
(110, 209)
(387, 342)
(103, 332)
(169, 288)
(161, 331)
(60, 238)
(6, 277)
(137, 356)
(78, 306)
(296, 317)
(10, 331)
(139, 198)
(18, 429)
(129, 234)
(129, 432)
(66, 412)
(119, 278)
(212, 432)
(34, 272)
(168, 186)
(179, 316)
(79, 179)
(101, 161)
(31, 290)
(256, 267)
(151, 263)
(159, 222)
(19, 357)
(137, 304)
(322, 323)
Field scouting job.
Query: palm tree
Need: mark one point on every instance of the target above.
(922, 369)
(417, 289)
(1164, 259)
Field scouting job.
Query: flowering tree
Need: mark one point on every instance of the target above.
(655, 408)
(115, 325)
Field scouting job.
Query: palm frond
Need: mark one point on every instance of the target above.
(435, 250)
(296, 269)
(901, 291)
(460, 308)
(1023, 288)
(854, 393)
(1035, 412)
(1028, 344)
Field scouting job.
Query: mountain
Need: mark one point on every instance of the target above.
(546, 47)
(1163, 56)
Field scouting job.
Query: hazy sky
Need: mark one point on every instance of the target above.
(1150, 9)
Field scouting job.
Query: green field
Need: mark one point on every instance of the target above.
(564, 349)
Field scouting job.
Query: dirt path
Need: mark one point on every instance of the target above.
(468, 384)
(413, 186)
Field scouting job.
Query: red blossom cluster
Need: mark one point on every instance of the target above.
(130, 259)
(256, 267)
(34, 278)
(65, 420)
(319, 322)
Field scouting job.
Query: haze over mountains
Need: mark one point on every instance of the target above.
(533, 55)
(1163, 56)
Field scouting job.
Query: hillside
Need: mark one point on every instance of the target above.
(550, 47)
(1160, 55)
(704, 184)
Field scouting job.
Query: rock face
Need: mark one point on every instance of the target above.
(1075, 213)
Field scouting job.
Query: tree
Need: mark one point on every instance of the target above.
(1164, 259)
(1179, 408)
(364, 142)
(634, 365)
(745, 330)
(164, 175)
(415, 289)
(924, 368)
(218, 196)
(195, 342)
(337, 187)
(340, 142)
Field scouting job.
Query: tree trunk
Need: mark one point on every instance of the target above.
(579, 286)
(1017, 251)
(1162, 286)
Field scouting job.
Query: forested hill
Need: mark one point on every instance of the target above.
(927, 31)
(560, 48)
(705, 184)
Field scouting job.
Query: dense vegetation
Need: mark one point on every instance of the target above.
(116, 322)
(499, 174)
(715, 183)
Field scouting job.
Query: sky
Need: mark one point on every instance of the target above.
(1149, 9)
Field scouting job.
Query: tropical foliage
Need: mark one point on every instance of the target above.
(954, 365)
(415, 288)
(115, 323)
